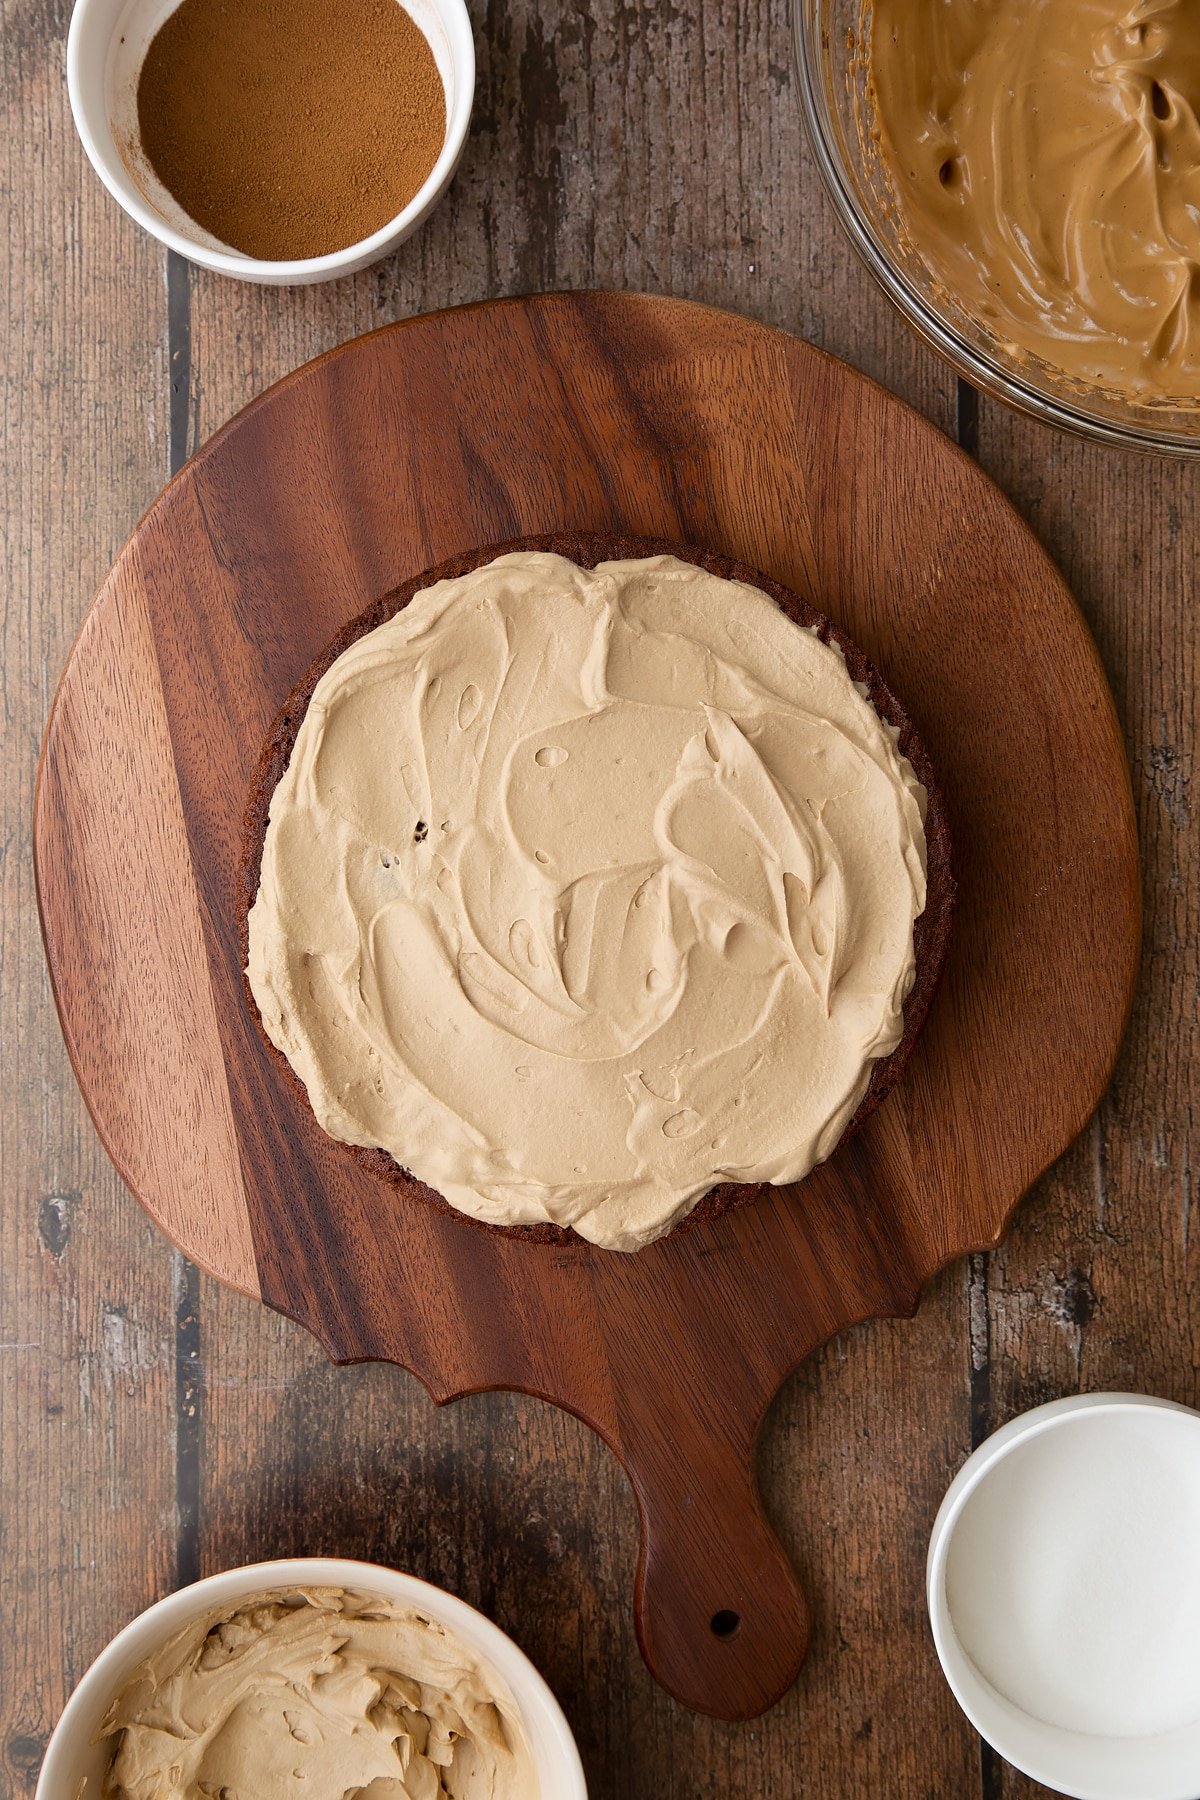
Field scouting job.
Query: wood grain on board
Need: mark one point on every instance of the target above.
(658, 419)
(621, 145)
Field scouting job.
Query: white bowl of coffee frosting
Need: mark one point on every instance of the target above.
(315, 1677)
(586, 890)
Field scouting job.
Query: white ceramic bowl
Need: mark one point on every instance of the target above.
(1164, 1767)
(71, 1754)
(106, 46)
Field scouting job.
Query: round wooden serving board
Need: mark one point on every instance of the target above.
(617, 414)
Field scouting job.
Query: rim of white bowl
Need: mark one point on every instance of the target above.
(106, 160)
(157, 1622)
(952, 1655)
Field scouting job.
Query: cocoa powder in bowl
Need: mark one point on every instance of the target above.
(291, 128)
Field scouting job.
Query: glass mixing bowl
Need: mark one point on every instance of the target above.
(831, 57)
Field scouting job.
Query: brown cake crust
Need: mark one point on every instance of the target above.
(931, 935)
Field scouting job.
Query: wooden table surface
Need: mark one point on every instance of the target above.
(154, 1427)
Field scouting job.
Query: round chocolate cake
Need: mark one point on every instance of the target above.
(930, 929)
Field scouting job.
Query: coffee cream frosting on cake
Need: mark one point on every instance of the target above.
(586, 890)
(321, 1695)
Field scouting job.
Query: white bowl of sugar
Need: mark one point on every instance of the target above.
(1064, 1593)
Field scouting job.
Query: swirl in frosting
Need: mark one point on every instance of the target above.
(316, 1694)
(1045, 155)
(585, 890)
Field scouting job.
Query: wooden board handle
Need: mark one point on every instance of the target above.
(721, 1619)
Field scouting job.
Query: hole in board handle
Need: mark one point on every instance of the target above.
(725, 1624)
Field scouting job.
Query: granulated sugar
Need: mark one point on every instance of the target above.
(1073, 1575)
